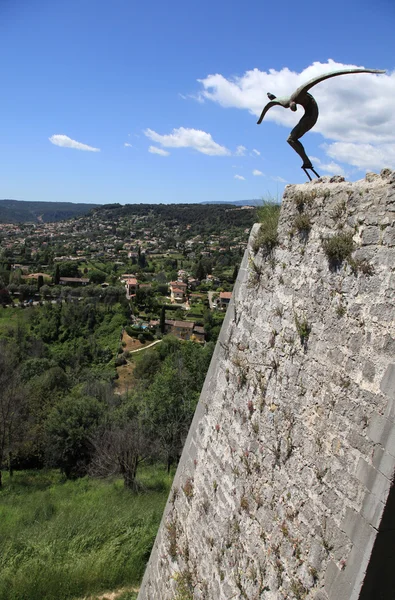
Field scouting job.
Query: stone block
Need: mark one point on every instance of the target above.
(384, 462)
(371, 235)
(387, 384)
(389, 236)
(375, 482)
(372, 510)
(357, 528)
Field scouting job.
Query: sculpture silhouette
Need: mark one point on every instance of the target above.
(309, 119)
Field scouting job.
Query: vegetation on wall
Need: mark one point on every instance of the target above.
(266, 239)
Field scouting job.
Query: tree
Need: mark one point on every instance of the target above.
(199, 271)
(57, 275)
(119, 449)
(70, 426)
(169, 403)
(162, 319)
(40, 282)
(5, 297)
(12, 405)
(97, 277)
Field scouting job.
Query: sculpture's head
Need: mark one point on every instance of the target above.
(293, 106)
(271, 96)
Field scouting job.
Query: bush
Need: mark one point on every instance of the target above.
(338, 248)
(131, 331)
(302, 223)
(141, 338)
(266, 238)
(120, 360)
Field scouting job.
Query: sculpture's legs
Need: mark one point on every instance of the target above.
(304, 125)
(308, 174)
(298, 147)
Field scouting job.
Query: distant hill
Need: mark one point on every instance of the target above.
(253, 202)
(20, 211)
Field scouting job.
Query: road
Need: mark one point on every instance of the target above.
(210, 300)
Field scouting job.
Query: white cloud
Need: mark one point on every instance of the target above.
(354, 109)
(159, 151)
(331, 167)
(189, 138)
(363, 156)
(240, 177)
(127, 145)
(65, 142)
(279, 179)
(256, 152)
(240, 151)
(257, 173)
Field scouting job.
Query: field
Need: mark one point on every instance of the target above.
(76, 539)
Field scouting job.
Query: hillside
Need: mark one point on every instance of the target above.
(20, 211)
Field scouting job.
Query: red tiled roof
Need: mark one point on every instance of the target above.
(178, 284)
(225, 295)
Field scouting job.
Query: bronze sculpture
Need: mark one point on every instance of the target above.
(309, 119)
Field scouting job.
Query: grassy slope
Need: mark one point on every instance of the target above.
(70, 539)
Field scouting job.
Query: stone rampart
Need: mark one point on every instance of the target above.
(284, 489)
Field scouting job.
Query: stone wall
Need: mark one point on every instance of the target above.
(284, 479)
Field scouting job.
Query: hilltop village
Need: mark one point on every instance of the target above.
(174, 265)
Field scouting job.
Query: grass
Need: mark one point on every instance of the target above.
(266, 238)
(70, 539)
(9, 318)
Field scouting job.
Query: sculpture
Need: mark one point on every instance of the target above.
(309, 119)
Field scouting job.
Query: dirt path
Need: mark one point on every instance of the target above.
(145, 346)
(125, 373)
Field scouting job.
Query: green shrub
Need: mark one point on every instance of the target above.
(267, 238)
(120, 360)
(302, 223)
(338, 248)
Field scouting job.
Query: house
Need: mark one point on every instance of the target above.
(224, 299)
(131, 286)
(198, 334)
(185, 330)
(178, 290)
(73, 281)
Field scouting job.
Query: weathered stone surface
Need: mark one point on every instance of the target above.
(292, 447)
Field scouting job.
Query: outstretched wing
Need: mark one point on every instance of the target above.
(269, 105)
(305, 88)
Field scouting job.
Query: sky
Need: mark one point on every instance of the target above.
(128, 101)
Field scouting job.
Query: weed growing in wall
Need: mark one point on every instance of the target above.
(302, 224)
(171, 530)
(184, 585)
(187, 488)
(303, 328)
(338, 248)
(298, 589)
(267, 238)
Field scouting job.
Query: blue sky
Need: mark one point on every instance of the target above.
(182, 84)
